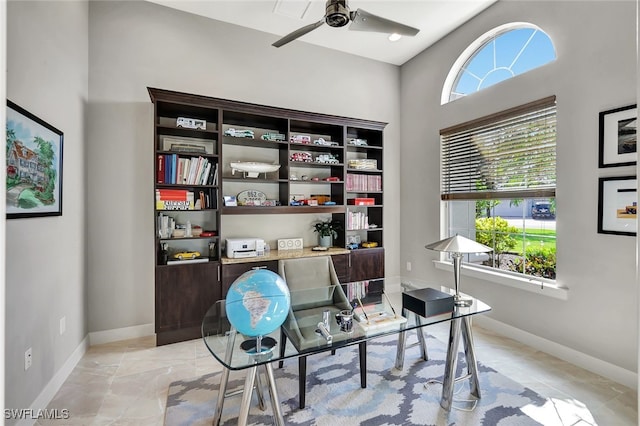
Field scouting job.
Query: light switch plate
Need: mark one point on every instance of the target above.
(290, 244)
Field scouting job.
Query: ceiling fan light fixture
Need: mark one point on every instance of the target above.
(337, 13)
(394, 37)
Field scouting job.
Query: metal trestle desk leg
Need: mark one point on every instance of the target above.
(402, 337)
(459, 326)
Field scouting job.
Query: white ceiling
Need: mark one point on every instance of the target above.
(434, 19)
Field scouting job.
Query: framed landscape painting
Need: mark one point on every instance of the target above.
(618, 137)
(618, 205)
(34, 165)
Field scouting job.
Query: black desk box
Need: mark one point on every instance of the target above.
(427, 302)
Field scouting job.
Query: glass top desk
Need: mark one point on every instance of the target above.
(236, 352)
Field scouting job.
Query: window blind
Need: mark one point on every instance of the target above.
(510, 154)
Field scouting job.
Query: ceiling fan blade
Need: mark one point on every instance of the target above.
(297, 33)
(365, 21)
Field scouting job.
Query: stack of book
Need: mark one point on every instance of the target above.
(357, 220)
(174, 199)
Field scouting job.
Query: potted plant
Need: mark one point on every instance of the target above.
(327, 230)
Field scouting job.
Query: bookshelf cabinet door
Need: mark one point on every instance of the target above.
(341, 265)
(366, 264)
(184, 293)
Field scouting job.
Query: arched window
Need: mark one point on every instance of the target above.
(498, 55)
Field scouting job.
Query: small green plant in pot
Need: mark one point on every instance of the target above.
(327, 231)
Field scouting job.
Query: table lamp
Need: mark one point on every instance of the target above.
(457, 246)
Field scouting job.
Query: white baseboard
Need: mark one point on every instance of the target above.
(116, 334)
(392, 284)
(595, 365)
(50, 390)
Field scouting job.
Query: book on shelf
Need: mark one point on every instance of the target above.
(198, 174)
(160, 171)
(185, 170)
(167, 169)
(205, 174)
(215, 176)
(180, 170)
(172, 194)
(174, 167)
(212, 174)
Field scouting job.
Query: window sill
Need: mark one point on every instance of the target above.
(532, 285)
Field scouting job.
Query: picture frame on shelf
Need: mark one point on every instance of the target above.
(618, 137)
(34, 165)
(617, 205)
(194, 146)
(230, 201)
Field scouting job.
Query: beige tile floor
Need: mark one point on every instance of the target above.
(125, 383)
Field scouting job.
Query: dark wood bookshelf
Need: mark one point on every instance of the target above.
(183, 292)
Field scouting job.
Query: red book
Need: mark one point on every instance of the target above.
(160, 170)
(172, 194)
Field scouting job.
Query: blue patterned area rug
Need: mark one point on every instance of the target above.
(392, 397)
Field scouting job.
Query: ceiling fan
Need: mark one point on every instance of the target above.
(338, 15)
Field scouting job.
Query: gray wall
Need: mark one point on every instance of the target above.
(595, 71)
(47, 68)
(136, 44)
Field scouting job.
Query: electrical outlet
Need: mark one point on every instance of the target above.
(27, 359)
(408, 266)
(63, 325)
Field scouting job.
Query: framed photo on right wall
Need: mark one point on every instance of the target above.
(618, 205)
(618, 137)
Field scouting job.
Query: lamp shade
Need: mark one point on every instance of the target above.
(458, 244)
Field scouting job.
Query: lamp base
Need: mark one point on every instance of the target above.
(462, 301)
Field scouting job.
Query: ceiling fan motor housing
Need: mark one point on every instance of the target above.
(337, 13)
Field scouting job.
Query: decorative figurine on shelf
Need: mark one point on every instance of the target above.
(358, 142)
(304, 139)
(327, 159)
(273, 136)
(191, 123)
(213, 250)
(303, 157)
(236, 133)
(163, 255)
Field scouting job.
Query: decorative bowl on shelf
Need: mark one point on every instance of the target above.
(252, 169)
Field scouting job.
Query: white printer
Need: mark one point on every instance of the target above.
(244, 247)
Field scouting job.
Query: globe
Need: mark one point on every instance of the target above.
(258, 302)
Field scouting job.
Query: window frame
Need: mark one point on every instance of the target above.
(512, 279)
(457, 67)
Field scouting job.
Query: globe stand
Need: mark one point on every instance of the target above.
(260, 350)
